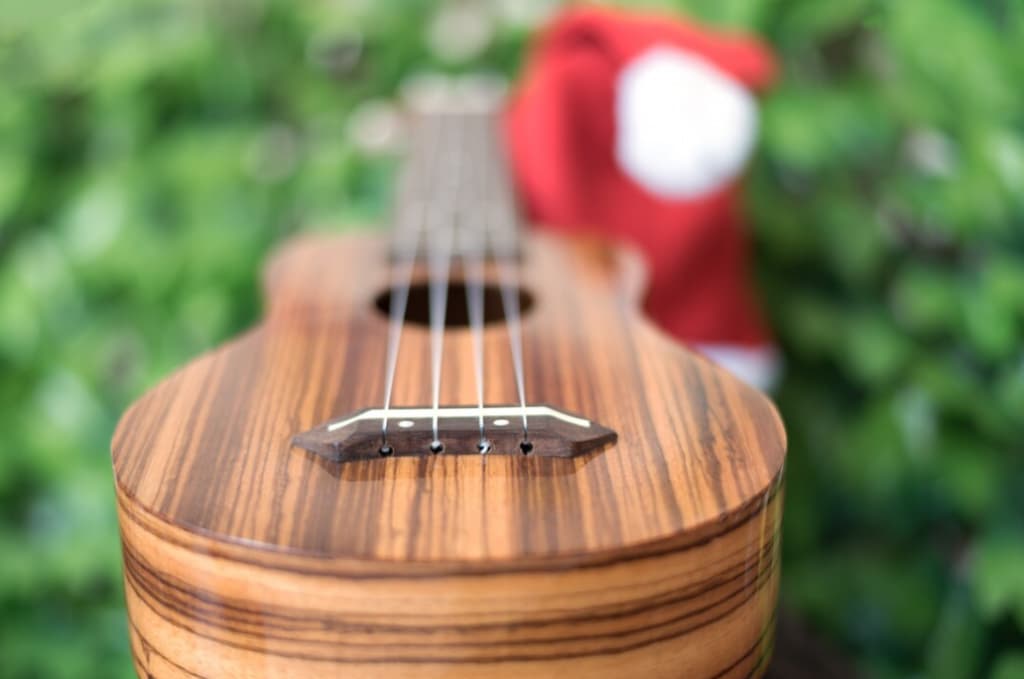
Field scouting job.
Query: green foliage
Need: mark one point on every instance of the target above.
(152, 152)
(888, 206)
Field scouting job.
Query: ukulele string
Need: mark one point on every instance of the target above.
(475, 304)
(509, 278)
(410, 221)
(439, 269)
(401, 280)
(473, 251)
(506, 260)
(439, 183)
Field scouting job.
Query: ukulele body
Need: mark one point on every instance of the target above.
(245, 556)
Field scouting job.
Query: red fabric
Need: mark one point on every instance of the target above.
(560, 131)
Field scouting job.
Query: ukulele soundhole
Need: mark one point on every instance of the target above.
(417, 310)
(410, 433)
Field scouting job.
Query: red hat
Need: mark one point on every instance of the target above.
(638, 127)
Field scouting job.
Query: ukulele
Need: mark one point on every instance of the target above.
(456, 451)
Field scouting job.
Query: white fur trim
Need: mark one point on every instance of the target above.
(759, 367)
(684, 127)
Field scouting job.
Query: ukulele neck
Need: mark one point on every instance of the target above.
(454, 197)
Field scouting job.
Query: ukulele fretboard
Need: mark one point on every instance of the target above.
(454, 194)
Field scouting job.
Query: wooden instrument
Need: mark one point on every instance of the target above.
(460, 451)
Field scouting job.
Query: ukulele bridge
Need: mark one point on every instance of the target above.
(410, 433)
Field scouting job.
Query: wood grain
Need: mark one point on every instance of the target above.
(245, 556)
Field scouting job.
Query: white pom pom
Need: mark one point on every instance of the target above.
(684, 128)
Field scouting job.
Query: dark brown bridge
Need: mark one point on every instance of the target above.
(410, 433)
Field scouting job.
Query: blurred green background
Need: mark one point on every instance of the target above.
(153, 151)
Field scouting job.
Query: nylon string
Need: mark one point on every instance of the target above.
(503, 213)
(409, 224)
(450, 206)
(474, 250)
(439, 266)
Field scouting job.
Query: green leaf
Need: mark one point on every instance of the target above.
(1009, 665)
(969, 476)
(997, 577)
(875, 349)
(925, 299)
(955, 649)
(990, 329)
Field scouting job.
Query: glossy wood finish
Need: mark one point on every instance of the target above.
(246, 556)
